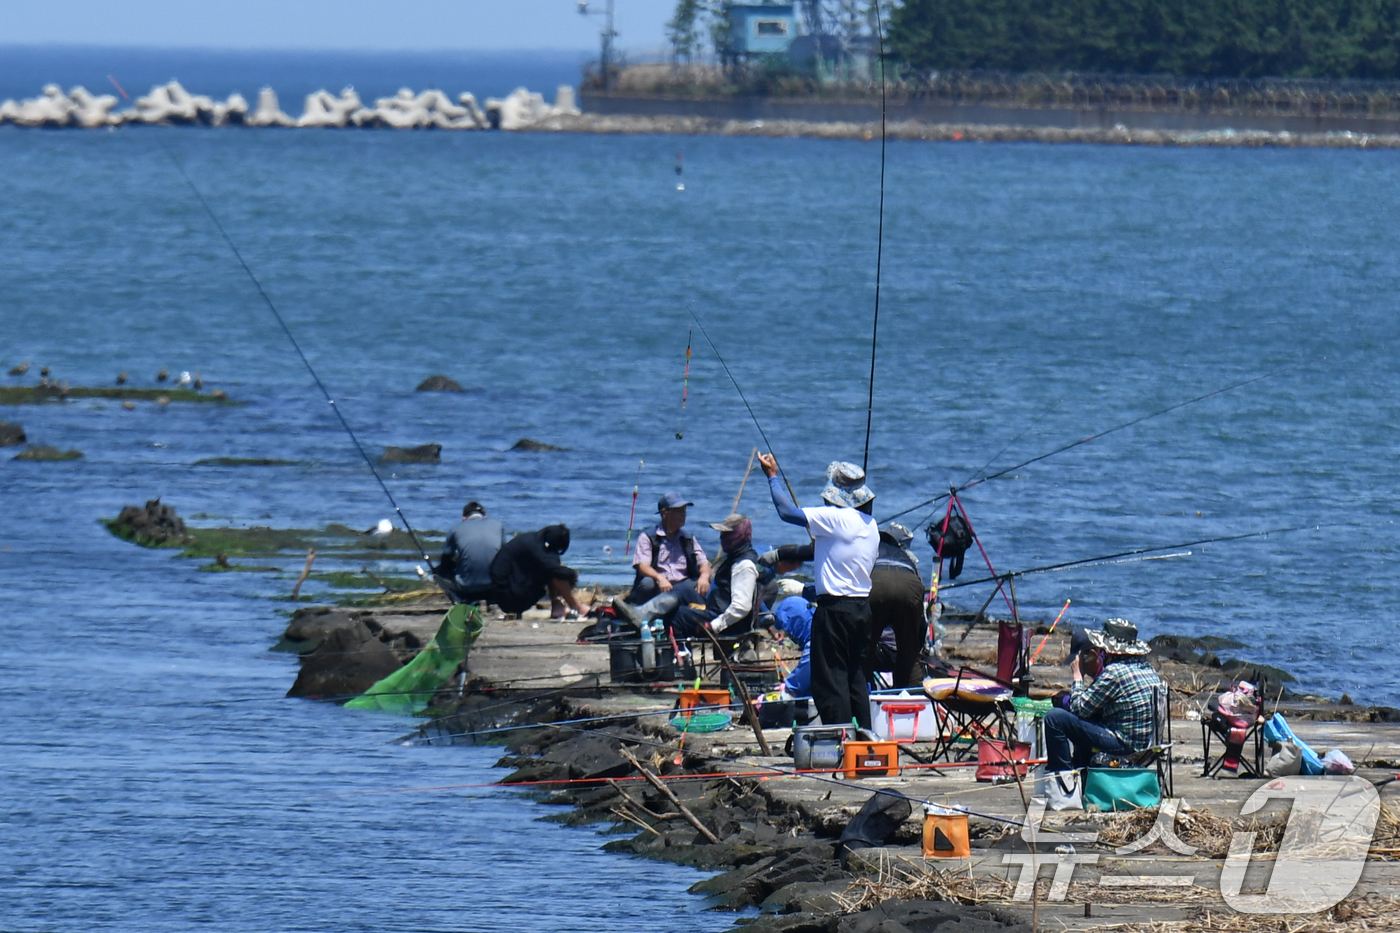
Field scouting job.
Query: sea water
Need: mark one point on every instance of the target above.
(1031, 296)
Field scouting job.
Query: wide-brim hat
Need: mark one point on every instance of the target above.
(1119, 636)
(845, 485)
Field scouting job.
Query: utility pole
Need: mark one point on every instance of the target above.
(606, 55)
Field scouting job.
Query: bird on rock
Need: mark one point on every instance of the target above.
(121, 378)
(198, 381)
(185, 379)
(163, 375)
(383, 528)
(21, 369)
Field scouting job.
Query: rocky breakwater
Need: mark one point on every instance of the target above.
(344, 653)
(172, 104)
(797, 867)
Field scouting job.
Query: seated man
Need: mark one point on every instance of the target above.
(732, 603)
(670, 557)
(1117, 714)
(528, 567)
(465, 569)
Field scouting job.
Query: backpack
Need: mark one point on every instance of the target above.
(954, 542)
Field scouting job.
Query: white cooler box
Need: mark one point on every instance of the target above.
(901, 716)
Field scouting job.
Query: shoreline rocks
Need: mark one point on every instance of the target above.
(530, 446)
(154, 525)
(438, 384)
(11, 435)
(423, 453)
(42, 453)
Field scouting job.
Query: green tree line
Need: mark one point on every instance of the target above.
(1209, 38)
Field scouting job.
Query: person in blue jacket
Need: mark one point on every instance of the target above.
(793, 617)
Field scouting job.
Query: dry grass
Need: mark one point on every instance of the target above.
(1209, 833)
(1385, 845)
(1357, 914)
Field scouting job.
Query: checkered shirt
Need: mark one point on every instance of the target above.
(1121, 701)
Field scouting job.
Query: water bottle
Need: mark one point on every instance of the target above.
(648, 648)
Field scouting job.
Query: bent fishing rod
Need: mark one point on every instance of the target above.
(1093, 437)
(879, 241)
(267, 300)
(1107, 558)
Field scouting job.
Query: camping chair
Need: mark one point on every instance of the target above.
(1217, 724)
(969, 706)
(1159, 753)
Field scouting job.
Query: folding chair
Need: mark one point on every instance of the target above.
(969, 706)
(1235, 731)
(1160, 751)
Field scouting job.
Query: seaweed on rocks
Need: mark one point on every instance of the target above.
(43, 453)
(154, 525)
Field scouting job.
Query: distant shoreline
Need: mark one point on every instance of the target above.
(622, 124)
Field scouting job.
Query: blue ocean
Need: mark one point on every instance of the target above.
(1031, 296)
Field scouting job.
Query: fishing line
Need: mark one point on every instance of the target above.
(286, 330)
(761, 433)
(879, 241)
(1142, 550)
(1093, 437)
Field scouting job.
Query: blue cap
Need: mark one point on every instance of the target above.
(672, 500)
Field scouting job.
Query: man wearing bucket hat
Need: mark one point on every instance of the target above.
(847, 542)
(1115, 715)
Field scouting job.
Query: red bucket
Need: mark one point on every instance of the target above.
(995, 760)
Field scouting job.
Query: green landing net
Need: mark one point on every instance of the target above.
(408, 690)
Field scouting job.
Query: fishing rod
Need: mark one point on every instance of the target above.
(286, 330)
(743, 398)
(1093, 437)
(879, 241)
(1085, 561)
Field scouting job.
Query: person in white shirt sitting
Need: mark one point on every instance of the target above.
(733, 600)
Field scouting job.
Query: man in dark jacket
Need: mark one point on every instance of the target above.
(897, 602)
(465, 568)
(528, 567)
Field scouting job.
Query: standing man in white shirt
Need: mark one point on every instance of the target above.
(847, 542)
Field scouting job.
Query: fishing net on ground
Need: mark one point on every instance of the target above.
(408, 690)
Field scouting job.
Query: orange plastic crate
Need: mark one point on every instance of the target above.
(870, 759)
(692, 697)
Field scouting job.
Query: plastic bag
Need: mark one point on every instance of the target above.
(1062, 790)
(1336, 762)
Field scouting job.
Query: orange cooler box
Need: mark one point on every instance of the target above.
(870, 759)
(945, 834)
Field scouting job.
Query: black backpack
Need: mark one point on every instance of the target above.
(951, 544)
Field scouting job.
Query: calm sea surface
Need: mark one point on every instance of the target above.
(1033, 295)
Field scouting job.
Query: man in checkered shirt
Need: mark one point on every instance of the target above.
(1117, 714)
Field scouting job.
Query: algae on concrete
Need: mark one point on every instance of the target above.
(44, 454)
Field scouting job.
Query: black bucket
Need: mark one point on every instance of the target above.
(625, 662)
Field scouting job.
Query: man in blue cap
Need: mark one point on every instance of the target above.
(668, 560)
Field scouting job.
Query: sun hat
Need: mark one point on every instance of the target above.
(897, 534)
(1119, 636)
(845, 486)
(672, 500)
(731, 521)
